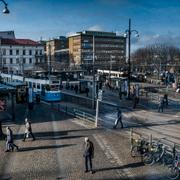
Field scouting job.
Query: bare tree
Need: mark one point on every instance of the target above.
(156, 55)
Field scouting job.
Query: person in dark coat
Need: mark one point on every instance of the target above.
(119, 119)
(161, 104)
(9, 141)
(28, 130)
(88, 154)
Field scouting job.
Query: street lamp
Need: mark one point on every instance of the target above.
(5, 10)
(128, 33)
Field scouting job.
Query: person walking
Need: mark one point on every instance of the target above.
(9, 140)
(28, 130)
(119, 119)
(88, 154)
(161, 104)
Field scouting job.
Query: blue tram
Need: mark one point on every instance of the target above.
(47, 88)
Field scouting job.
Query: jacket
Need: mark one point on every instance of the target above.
(89, 149)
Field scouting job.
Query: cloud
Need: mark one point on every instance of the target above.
(96, 28)
(148, 39)
(70, 34)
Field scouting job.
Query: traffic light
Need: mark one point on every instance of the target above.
(3, 105)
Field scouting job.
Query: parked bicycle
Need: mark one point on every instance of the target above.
(174, 169)
(139, 147)
(158, 153)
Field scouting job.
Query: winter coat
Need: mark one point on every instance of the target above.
(9, 136)
(89, 149)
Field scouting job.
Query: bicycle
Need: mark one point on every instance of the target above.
(174, 170)
(139, 147)
(158, 153)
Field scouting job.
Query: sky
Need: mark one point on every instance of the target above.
(157, 21)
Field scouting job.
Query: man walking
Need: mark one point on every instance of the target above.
(88, 154)
(28, 130)
(119, 119)
(161, 104)
(9, 141)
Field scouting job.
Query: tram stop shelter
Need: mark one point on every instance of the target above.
(6, 92)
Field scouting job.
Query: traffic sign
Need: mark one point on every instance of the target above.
(100, 94)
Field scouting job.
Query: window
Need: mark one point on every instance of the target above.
(24, 60)
(40, 52)
(10, 52)
(17, 51)
(38, 86)
(4, 60)
(4, 51)
(30, 52)
(11, 60)
(17, 61)
(34, 85)
(24, 52)
(30, 60)
(36, 52)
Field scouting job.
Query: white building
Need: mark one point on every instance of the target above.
(20, 55)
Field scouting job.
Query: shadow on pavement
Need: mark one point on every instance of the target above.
(132, 165)
(44, 147)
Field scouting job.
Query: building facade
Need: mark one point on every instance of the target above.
(20, 55)
(57, 53)
(109, 49)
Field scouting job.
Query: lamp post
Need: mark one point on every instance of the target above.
(5, 10)
(128, 33)
(93, 90)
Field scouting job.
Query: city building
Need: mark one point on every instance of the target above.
(57, 52)
(109, 49)
(7, 34)
(20, 55)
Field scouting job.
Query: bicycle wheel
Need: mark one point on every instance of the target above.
(148, 159)
(173, 173)
(134, 151)
(167, 159)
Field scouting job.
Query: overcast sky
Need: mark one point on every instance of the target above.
(156, 20)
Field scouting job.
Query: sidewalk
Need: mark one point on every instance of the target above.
(57, 152)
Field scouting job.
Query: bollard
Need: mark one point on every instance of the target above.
(150, 139)
(174, 150)
(131, 137)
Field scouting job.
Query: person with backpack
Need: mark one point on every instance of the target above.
(88, 154)
(28, 130)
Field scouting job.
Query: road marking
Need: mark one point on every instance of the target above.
(56, 129)
(112, 156)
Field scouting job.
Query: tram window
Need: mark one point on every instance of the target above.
(34, 85)
(38, 86)
(47, 87)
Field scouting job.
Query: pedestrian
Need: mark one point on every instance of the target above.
(76, 88)
(166, 99)
(161, 104)
(9, 140)
(119, 119)
(87, 91)
(28, 130)
(88, 154)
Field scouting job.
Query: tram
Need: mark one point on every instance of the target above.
(46, 88)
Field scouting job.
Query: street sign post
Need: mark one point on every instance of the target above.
(97, 106)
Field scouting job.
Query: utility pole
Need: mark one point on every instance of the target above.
(93, 90)
(49, 59)
(129, 57)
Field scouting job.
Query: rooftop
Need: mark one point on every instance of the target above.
(21, 42)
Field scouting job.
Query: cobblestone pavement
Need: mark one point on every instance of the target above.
(57, 151)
